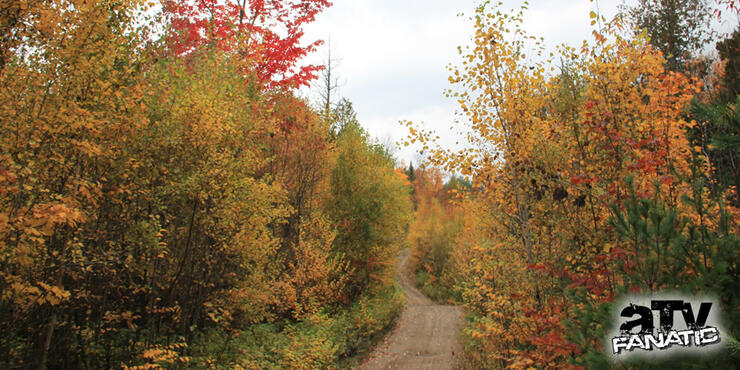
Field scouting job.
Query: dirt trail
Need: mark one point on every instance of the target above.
(426, 336)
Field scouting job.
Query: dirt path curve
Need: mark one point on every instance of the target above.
(426, 336)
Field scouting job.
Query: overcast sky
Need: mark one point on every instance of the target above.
(393, 55)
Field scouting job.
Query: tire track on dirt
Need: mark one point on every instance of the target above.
(427, 334)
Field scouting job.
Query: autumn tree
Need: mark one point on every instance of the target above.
(303, 159)
(717, 132)
(14, 16)
(433, 232)
(551, 157)
(679, 29)
(71, 93)
(728, 52)
(150, 217)
(268, 33)
(343, 114)
(370, 207)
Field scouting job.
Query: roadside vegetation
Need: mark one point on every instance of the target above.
(596, 171)
(166, 200)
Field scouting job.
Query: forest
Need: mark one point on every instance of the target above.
(168, 198)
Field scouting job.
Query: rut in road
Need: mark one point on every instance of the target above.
(427, 335)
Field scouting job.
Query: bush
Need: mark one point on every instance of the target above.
(322, 340)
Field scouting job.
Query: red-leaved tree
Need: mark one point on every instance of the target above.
(266, 32)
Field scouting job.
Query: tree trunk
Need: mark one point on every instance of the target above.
(47, 340)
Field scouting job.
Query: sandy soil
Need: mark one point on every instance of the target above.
(427, 334)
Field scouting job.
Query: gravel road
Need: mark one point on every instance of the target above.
(427, 334)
